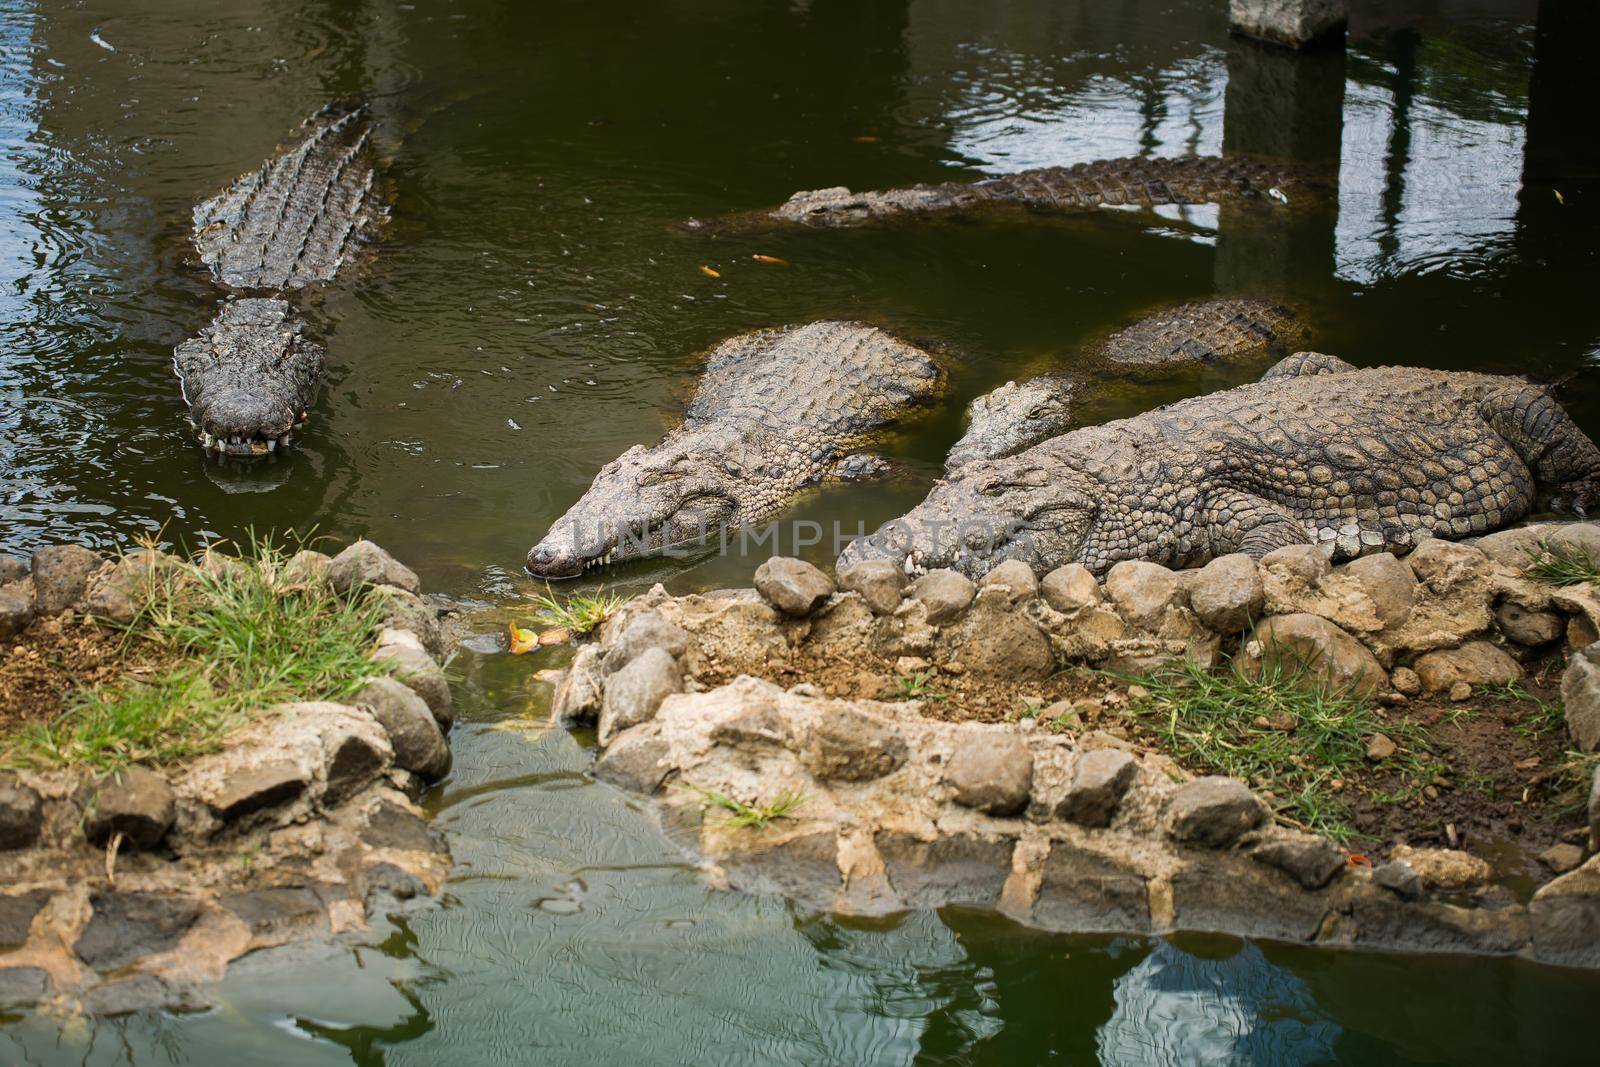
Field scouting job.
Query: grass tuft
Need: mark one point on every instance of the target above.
(918, 686)
(1561, 565)
(227, 639)
(580, 612)
(1285, 732)
(758, 816)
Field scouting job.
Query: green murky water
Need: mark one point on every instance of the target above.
(530, 314)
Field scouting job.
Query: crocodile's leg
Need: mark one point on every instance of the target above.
(1549, 442)
(1244, 522)
(1305, 364)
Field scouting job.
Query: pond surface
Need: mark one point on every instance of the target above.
(530, 313)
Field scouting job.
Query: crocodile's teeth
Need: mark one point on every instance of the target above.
(272, 444)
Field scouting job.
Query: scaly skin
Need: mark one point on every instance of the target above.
(1356, 461)
(1082, 187)
(249, 377)
(1014, 417)
(776, 411)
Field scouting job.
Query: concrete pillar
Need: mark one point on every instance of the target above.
(1293, 23)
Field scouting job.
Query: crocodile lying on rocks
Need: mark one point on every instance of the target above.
(1134, 181)
(775, 412)
(291, 224)
(1015, 416)
(1356, 461)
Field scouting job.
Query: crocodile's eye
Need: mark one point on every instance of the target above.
(659, 477)
(1039, 412)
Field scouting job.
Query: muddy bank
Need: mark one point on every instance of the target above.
(132, 887)
(869, 744)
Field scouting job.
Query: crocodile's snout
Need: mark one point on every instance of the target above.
(551, 561)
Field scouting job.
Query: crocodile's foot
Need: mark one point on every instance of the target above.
(1581, 498)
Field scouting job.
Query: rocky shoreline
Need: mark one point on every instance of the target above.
(864, 805)
(128, 891)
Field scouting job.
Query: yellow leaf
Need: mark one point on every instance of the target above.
(709, 273)
(522, 640)
(1559, 198)
(773, 261)
(865, 138)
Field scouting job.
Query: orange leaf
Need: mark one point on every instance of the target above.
(1358, 860)
(709, 273)
(773, 261)
(557, 636)
(522, 640)
(865, 138)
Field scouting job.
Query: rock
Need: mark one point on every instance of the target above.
(419, 744)
(958, 869)
(578, 695)
(635, 760)
(411, 664)
(352, 765)
(1008, 645)
(137, 803)
(1292, 23)
(1213, 812)
(1473, 664)
(1390, 583)
(401, 610)
(21, 814)
(1398, 878)
(1327, 654)
(12, 569)
(1310, 860)
(144, 992)
(1406, 682)
(1447, 869)
(61, 577)
(1227, 593)
(1142, 591)
(1514, 547)
(852, 747)
(793, 586)
(364, 564)
(116, 593)
(307, 568)
(125, 927)
(1580, 693)
(879, 583)
(1443, 565)
(1099, 780)
(1070, 589)
(1577, 537)
(1306, 564)
(278, 915)
(1562, 858)
(991, 772)
(633, 694)
(1381, 747)
(1459, 692)
(1529, 628)
(16, 915)
(643, 631)
(257, 788)
(1566, 918)
(1086, 892)
(22, 987)
(393, 827)
(16, 609)
(1594, 812)
(944, 593)
(1016, 578)
(1581, 632)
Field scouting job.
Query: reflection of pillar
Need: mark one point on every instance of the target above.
(1295, 23)
(1285, 106)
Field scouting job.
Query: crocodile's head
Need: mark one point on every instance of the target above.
(1014, 417)
(1024, 507)
(646, 502)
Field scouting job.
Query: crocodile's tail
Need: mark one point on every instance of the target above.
(295, 221)
(1137, 181)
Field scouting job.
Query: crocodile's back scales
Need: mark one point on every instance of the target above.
(1206, 331)
(294, 221)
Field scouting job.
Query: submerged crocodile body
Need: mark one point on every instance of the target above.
(775, 412)
(293, 223)
(1134, 182)
(1017, 415)
(1317, 452)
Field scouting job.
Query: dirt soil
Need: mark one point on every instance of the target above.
(43, 665)
(1500, 791)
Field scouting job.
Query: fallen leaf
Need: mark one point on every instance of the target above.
(1526, 764)
(772, 261)
(1559, 198)
(865, 138)
(708, 272)
(557, 636)
(522, 640)
(1358, 860)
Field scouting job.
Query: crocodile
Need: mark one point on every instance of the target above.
(1318, 452)
(251, 376)
(1132, 182)
(1017, 415)
(775, 412)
